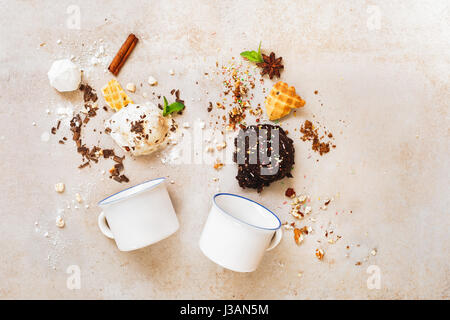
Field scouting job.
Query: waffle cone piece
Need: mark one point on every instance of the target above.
(281, 100)
(115, 96)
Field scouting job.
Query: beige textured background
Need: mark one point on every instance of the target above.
(385, 95)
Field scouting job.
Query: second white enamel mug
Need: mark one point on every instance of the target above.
(238, 232)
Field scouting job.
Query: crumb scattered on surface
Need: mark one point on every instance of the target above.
(60, 187)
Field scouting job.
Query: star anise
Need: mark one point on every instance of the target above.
(271, 65)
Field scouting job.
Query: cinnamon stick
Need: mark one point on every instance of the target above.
(123, 54)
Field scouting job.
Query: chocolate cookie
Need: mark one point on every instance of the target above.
(264, 154)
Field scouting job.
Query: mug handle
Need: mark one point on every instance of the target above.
(102, 224)
(275, 239)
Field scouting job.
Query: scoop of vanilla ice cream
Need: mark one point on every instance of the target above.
(138, 128)
(64, 75)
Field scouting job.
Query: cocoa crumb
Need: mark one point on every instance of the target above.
(310, 133)
(290, 193)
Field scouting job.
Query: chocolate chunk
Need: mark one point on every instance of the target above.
(289, 193)
(81, 166)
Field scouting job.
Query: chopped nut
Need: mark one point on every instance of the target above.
(319, 254)
(373, 252)
(131, 87)
(152, 81)
(218, 165)
(298, 236)
(60, 222)
(295, 212)
(171, 72)
(288, 226)
(60, 187)
(221, 146)
(78, 198)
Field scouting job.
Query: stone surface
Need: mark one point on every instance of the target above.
(384, 89)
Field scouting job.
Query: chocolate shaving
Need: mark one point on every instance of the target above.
(108, 153)
(81, 166)
(94, 153)
(137, 127)
(88, 93)
(118, 159)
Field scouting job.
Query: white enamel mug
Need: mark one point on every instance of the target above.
(138, 216)
(238, 232)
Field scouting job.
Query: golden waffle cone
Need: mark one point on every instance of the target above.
(281, 100)
(115, 96)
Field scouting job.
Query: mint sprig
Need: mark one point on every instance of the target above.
(170, 108)
(254, 56)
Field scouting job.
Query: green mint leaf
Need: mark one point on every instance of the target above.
(170, 108)
(253, 56)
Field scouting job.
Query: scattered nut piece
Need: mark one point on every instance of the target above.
(295, 212)
(171, 72)
(78, 198)
(288, 226)
(131, 87)
(60, 222)
(186, 125)
(60, 187)
(373, 252)
(319, 254)
(298, 236)
(152, 81)
(221, 146)
(218, 165)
